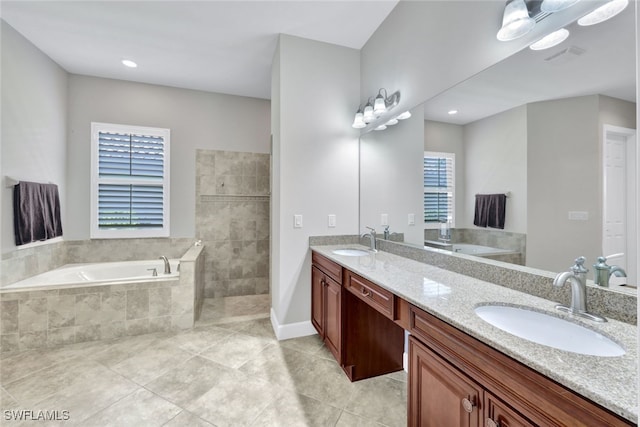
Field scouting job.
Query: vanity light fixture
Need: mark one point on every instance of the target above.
(375, 108)
(129, 63)
(550, 40)
(516, 21)
(604, 12)
(550, 6)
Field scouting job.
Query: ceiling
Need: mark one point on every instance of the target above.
(217, 46)
(607, 65)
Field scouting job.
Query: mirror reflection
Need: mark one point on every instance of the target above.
(553, 131)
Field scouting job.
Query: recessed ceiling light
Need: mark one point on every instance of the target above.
(550, 40)
(603, 13)
(129, 63)
(452, 112)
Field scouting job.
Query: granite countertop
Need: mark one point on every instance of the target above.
(452, 297)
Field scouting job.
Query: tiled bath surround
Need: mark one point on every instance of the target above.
(616, 305)
(232, 219)
(48, 318)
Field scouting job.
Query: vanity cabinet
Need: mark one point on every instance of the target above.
(354, 317)
(326, 303)
(456, 380)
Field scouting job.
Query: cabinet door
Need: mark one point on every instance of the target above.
(439, 395)
(317, 300)
(333, 317)
(498, 414)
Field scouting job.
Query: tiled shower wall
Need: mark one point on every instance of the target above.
(232, 219)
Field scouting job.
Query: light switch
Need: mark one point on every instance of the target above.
(578, 215)
(332, 220)
(384, 219)
(297, 221)
(412, 219)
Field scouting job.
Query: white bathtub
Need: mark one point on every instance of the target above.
(103, 273)
(478, 250)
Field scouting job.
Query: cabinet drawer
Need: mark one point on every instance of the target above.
(327, 266)
(379, 298)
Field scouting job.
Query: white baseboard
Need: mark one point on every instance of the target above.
(291, 330)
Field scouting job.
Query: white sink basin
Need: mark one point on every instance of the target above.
(549, 330)
(350, 252)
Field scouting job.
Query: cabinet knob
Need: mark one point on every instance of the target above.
(490, 423)
(365, 292)
(468, 405)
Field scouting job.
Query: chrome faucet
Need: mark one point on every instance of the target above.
(577, 278)
(167, 266)
(372, 236)
(603, 272)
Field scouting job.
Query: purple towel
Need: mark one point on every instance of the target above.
(490, 210)
(36, 212)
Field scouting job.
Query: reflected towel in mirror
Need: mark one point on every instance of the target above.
(490, 210)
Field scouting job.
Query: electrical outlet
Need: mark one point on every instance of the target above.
(412, 219)
(332, 220)
(297, 221)
(384, 219)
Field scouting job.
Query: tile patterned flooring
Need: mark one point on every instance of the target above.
(228, 371)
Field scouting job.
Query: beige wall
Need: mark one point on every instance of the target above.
(34, 125)
(565, 174)
(391, 178)
(315, 166)
(196, 119)
(496, 162)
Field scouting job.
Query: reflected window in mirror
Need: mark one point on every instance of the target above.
(439, 189)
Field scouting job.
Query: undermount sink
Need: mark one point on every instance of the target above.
(350, 252)
(549, 330)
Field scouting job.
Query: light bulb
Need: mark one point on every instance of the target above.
(550, 40)
(603, 13)
(358, 122)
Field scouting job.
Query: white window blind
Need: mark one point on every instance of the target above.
(439, 187)
(130, 196)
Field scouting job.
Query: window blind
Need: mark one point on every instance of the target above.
(438, 188)
(131, 180)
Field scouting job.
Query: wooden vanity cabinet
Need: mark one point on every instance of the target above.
(354, 317)
(326, 303)
(456, 380)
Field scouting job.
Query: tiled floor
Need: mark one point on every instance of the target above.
(228, 371)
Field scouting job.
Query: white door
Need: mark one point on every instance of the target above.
(619, 200)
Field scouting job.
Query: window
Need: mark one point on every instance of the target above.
(439, 188)
(130, 181)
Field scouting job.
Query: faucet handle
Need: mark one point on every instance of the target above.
(579, 267)
(373, 230)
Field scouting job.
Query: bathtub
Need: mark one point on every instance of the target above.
(478, 250)
(105, 273)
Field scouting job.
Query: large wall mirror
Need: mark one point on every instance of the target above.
(553, 130)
